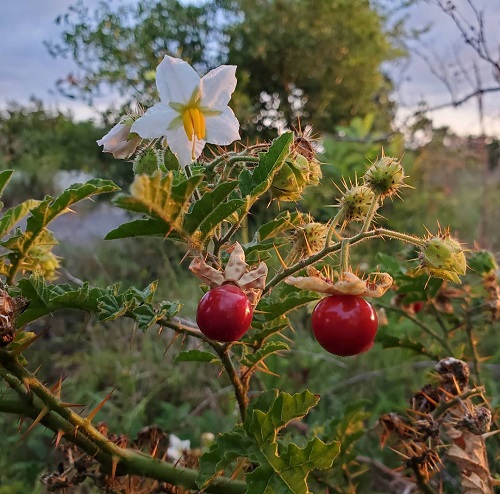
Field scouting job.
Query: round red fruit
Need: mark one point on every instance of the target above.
(344, 324)
(224, 313)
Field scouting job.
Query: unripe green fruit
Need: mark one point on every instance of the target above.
(294, 176)
(147, 162)
(385, 176)
(443, 257)
(355, 203)
(308, 240)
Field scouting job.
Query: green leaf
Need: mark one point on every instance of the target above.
(149, 227)
(255, 250)
(390, 341)
(5, 176)
(221, 213)
(257, 182)
(163, 198)
(266, 330)
(227, 448)
(146, 316)
(45, 299)
(252, 359)
(284, 221)
(106, 302)
(286, 472)
(195, 356)
(42, 214)
(266, 419)
(272, 309)
(207, 206)
(13, 215)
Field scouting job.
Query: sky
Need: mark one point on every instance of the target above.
(28, 70)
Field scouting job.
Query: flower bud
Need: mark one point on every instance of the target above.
(385, 176)
(119, 141)
(443, 257)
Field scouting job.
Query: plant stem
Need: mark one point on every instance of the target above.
(441, 408)
(371, 212)
(239, 389)
(473, 347)
(422, 483)
(81, 432)
(196, 192)
(231, 159)
(426, 329)
(329, 249)
(344, 256)
(331, 229)
(218, 243)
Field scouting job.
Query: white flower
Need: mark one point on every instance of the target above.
(119, 141)
(192, 110)
(177, 447)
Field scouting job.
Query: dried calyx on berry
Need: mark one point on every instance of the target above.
(385, 176)
(236, 272)
(347, 283)
(301, 168)
(442, 256)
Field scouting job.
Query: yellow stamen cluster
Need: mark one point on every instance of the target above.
(194, 123)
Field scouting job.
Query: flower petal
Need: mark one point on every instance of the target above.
(154, 122)
(176, 80)
(222, 129)
(217, 86)
(182, 147)
(114, 137)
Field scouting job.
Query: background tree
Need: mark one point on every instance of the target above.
(40, 143)
(320, 61)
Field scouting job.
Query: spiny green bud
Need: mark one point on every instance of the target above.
(301, 169)
(385, 176)
(294, 176)
(355, 203)
(148, 161)
(443, 257)
(308, 240)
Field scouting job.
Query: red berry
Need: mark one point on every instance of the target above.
(224, 313)
(344, 324)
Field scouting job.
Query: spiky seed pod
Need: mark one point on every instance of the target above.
(385, 177)
(442, 256)
(148, 161)
(355, 203)
(301, 169)
(308, 240)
